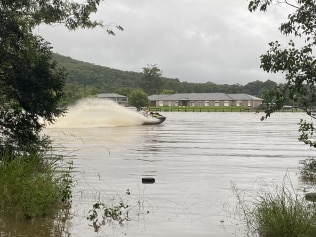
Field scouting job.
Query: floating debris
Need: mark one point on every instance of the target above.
(310, 197)
(148, 180)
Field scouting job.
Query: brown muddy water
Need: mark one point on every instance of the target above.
(195, 159)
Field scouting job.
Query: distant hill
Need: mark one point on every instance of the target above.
(99, 79)
(104, 78)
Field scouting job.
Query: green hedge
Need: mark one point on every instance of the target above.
(200, 109)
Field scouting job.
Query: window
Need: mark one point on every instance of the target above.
(216, 103)
(160, 102)
(192, 103)
(226, 103)
(249, 103)
(176, 103)
(238, 103)
(206, 103)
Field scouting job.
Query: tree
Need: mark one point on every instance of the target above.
(298, 64)
(167, 92)
(138, 98)
(257, 88)
(31, 83)
(125, 91)
(151, 82)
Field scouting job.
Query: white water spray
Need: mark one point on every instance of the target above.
(94, 112)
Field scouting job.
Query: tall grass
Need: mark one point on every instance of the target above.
(308, 171)
(277, 214)
(31, 185)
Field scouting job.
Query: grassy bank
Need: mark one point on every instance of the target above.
(211, 109)
(30, 186)
(199, 109)
(278, 213)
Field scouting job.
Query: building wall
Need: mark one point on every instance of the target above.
(212, 103)
(119, 100)
(122, 100)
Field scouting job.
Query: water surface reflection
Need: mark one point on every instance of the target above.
(194, 158)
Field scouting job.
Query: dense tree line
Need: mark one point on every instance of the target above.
(295, 60)
(86, 79)
(31, 83)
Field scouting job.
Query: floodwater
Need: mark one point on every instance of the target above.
(195, 159)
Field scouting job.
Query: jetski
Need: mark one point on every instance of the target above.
(154, 118)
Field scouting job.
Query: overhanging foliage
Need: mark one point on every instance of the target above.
(297, 63)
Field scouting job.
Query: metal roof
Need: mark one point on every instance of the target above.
(203, 96)
(243, 97)
(110, 95)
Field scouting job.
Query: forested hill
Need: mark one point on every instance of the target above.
(102, 78)
(92, 79)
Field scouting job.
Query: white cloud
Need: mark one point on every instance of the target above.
(192, 40)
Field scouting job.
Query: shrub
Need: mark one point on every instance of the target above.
(308, 171)
(278, 214)
(31, 186)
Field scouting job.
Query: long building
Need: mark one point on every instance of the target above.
(206, 99)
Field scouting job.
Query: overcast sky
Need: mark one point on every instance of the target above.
(216, 41)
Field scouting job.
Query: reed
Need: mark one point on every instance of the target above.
(308, 171)
(279, 213)
(30, 186)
